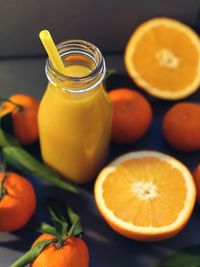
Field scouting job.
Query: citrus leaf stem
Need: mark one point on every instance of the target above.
(23, 161)
(32, 253)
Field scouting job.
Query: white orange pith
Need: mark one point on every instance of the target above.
(145, 195)
(163, 57)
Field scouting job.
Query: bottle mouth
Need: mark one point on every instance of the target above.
(77, 52)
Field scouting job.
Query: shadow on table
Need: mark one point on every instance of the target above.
(107, 248)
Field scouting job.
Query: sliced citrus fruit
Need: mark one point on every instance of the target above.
(145, 195)
(163, 57)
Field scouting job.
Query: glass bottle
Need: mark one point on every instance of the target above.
(75, 113)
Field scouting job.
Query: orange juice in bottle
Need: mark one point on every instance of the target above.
(75, 113)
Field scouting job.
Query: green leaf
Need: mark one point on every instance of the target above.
(76, 228)
(3, 190)
(7, 123)
(59, 222)
(48, 229)
(61, 227)
(32, 254)
(23, 161)
(73, 217)
(188, 257)
(109, 72)
(7, 139)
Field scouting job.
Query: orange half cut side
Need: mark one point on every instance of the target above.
(145, 195)
(163, 57)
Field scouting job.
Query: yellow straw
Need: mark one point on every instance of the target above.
(52, 51)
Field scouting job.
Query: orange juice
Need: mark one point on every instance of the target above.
(75, 115)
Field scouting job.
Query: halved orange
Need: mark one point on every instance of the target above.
(163, 57)
(145, 195)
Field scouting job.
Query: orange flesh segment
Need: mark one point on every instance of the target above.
(160, 210)
(179, 44)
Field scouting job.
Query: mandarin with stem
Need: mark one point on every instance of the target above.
(24, 110)
(17, 201)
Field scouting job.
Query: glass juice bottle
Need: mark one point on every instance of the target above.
(75, 113)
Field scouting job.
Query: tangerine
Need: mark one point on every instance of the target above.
(132, 115)
(24, 110)
(17, 203)
(181, 126)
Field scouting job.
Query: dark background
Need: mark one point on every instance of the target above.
(106, 23)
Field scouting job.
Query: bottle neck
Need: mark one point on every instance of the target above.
(85, 67)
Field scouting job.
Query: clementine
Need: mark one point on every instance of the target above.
(23, 109)
(132, 115)
(73, 253)
(181, 126)
(17, 202)
(60, 244)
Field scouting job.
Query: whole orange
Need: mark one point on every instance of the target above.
(24, 120)
(74, 253)
(18, 203)
(196, 175)
(132, 115)
(181, 126)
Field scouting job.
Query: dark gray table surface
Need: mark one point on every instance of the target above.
(107, 248)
